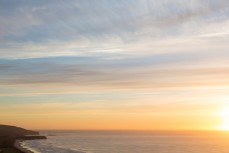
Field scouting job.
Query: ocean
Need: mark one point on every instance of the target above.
(130, 142)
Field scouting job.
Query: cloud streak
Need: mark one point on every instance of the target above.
(115, 44)
(87, 60)
(64, 28)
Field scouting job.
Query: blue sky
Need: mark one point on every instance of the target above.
(31, 29)
(113, 49)
(82, 38)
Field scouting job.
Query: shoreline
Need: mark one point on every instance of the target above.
(18, 143)
(18, 146)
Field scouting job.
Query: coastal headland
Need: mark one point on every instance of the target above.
(12, 136)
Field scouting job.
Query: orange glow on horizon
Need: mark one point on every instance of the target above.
(224, 115)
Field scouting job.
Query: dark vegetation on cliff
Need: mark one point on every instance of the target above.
(8, 135)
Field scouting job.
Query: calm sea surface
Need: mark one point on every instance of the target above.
(130, 142)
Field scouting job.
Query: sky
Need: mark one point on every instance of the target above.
(114, 64)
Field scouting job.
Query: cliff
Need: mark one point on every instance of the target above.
(8, 134)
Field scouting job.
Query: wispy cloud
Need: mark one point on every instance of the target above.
(103, 57)
(129, 43)
(63, 28)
